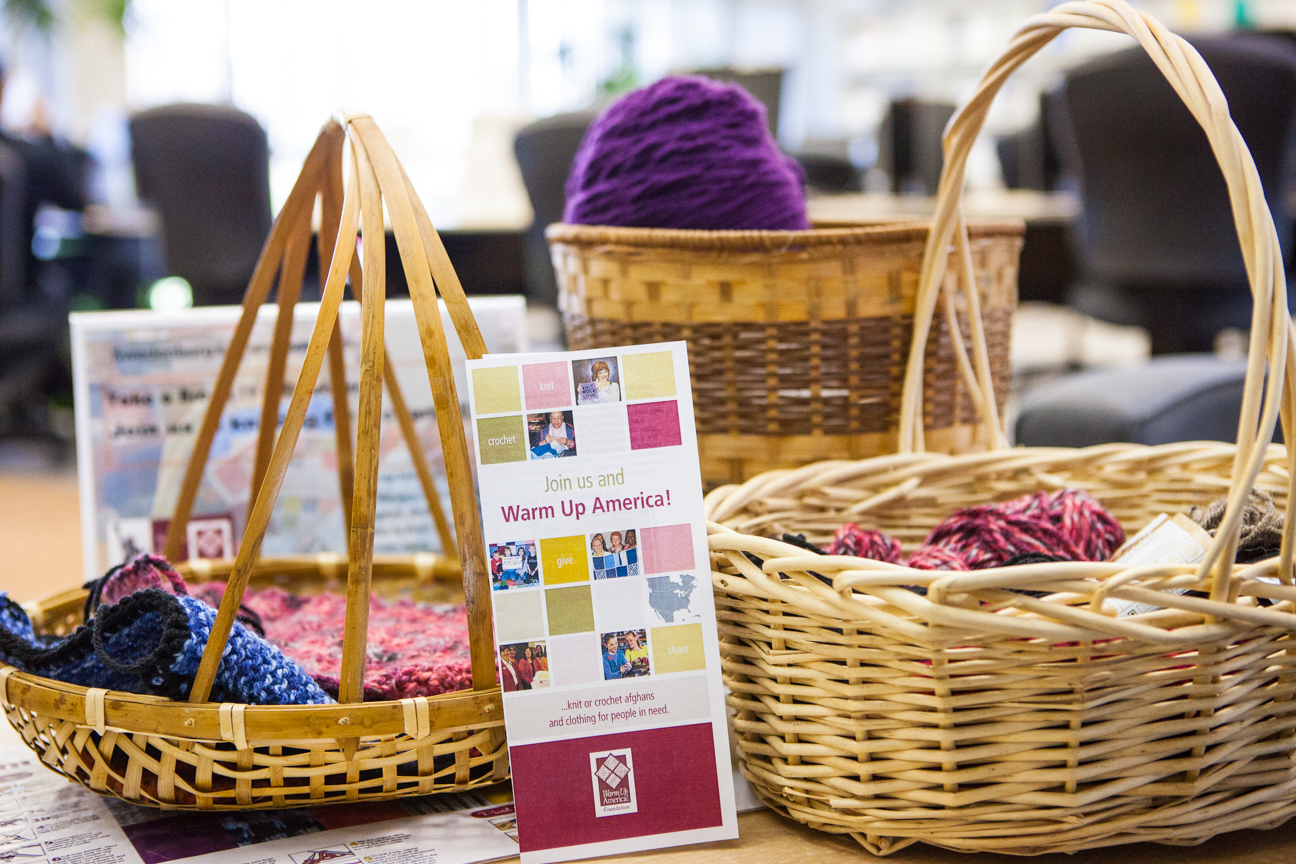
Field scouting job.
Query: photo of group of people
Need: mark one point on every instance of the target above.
(551, 435)
(514, 564)
(614, 554)
(523, 666)
(625, 654)
(597, 380)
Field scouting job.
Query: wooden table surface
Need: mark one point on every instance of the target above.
(767, 838)
(1031, 206)
(40, 536)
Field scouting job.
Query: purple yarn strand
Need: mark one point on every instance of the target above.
(685, 152)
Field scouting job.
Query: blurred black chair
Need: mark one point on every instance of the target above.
(828, 173)
(1189, 397)
(1157, 239)
(909, 145)
(545, 150)
(206, 168)
(13, 234)
(764, 84)
(1029, 158)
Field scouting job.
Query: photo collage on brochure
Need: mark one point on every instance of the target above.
(630, 585)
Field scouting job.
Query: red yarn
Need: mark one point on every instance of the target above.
(851, 539)
(1069, 524)
(936, 558)
(414, 649)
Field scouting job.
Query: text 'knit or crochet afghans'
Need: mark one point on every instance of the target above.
(151, 642)
(685, 152)
(414, 649)
(1068, 525)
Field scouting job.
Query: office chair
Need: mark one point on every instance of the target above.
(545, 150)
(764, 84)
(1029, 157)
(13, 208)
(829, 173)
(206, 168)
(1157, 241)
(909, 145)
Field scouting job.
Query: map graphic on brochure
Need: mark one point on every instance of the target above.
(142, 380)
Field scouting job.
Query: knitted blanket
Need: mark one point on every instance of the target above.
(151, 642)
(415, 649)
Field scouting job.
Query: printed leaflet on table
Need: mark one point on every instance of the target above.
(592, 514)
(47, 820)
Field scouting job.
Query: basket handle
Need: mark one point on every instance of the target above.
(1271, 334)
(376, 178)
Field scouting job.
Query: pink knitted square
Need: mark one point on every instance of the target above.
(667, 549)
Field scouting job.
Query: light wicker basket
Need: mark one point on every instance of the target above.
(976, 718)
(199, 755)
(797, 339)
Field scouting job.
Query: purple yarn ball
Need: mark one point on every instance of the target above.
(685, 153)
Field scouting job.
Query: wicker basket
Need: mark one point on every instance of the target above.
(797, 340)
(199, 755)
(980, 719)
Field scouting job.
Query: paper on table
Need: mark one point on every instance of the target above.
(46, 820)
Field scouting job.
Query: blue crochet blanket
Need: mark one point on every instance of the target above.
(151, 642)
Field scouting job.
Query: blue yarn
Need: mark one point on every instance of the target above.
(151, 642)
(251, 669)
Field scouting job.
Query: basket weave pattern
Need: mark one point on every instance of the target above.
(199, 755)
(879, 715)
(974, 716)
(212, 760)
(797, 340)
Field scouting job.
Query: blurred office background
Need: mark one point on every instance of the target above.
(485, 101)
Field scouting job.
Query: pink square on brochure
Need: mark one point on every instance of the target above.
(546, 386)
(667, 549)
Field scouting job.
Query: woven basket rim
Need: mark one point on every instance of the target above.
(181, 719)
(479, 709)
(827, 234)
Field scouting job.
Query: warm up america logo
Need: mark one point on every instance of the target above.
(613, 774)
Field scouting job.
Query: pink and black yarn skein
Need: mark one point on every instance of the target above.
(1068, 525)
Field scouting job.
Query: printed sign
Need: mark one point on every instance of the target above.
(608, 656)
(141, 381)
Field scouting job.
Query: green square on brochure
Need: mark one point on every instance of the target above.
(501, 439)
(496, 390)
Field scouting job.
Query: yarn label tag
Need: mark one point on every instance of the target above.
(605, 625)
(1165, 540)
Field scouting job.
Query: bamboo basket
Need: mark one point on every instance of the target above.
(979, 719)
(200, 755)
(797, 339)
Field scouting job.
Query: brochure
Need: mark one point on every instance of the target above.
(591, 500)
(141, 381)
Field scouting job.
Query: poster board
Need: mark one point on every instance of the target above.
(140, 382)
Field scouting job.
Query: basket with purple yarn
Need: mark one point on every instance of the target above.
(684, 221)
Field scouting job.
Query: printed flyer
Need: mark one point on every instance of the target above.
(591, 502)
(141, 380)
